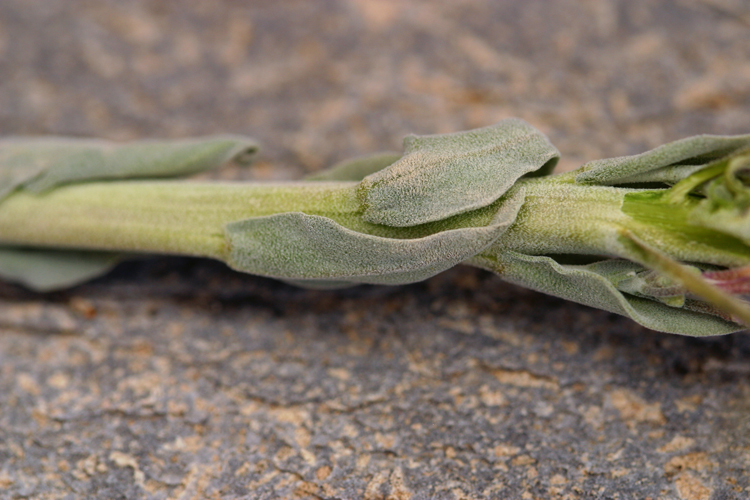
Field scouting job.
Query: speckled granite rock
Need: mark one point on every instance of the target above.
(176, 378)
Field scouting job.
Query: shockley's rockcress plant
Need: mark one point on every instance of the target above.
(662, 237)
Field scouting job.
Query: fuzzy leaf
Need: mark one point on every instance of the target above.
(669, 163)
(39, 164)
(355, 169)
(595, 285)
(297, 246)
(443, 175)
(47, 270)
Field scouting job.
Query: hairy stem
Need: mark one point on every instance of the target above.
(178, 217)
(188, 218)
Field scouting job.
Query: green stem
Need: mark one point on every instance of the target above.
(177, 217)
(188, 218)
(561, 217)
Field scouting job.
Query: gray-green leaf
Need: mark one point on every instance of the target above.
(444, 175)
(47, 270)
(39, 164)
(297, 246)
(595, 285)
(669, 163)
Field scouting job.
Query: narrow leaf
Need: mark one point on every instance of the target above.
(39, 164)
(668, 163)
(595, 285)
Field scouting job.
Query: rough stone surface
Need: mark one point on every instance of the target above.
(177, 378)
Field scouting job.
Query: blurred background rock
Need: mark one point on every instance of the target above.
(176, 378)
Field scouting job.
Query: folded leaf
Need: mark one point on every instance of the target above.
(669, 163)
(595, 285)
(297, 246)
(444, 175)
(38, 164)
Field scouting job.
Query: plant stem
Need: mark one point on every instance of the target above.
(179, 217)
(188, 218)
(561, 217)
